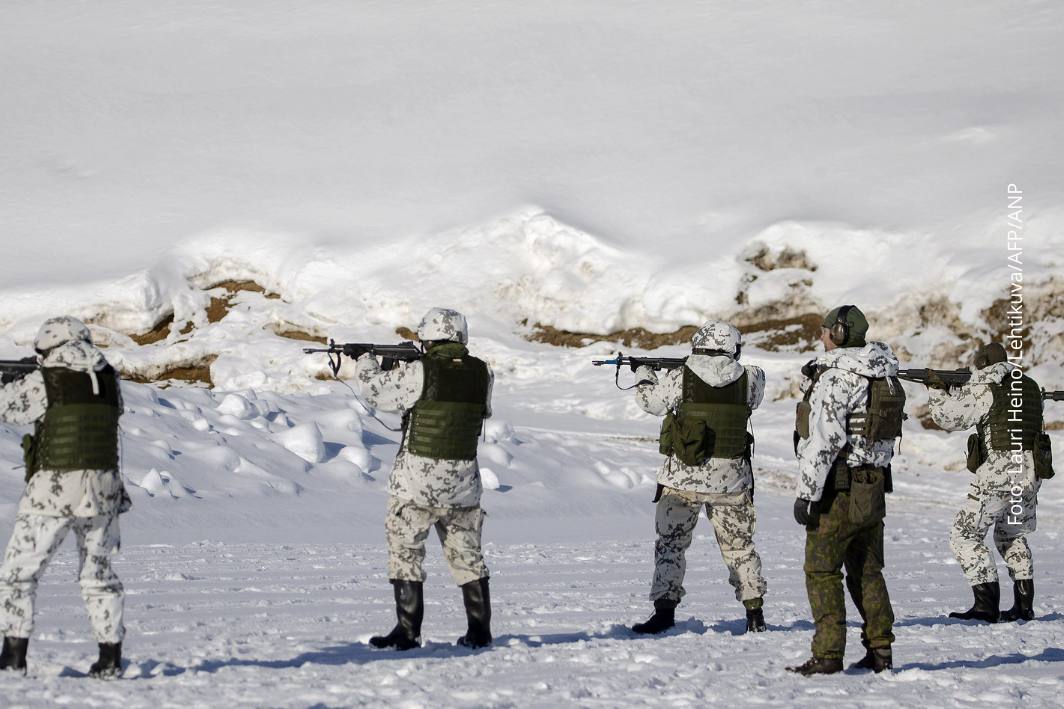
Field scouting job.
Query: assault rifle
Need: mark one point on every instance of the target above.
(11, 370)
(655, 363)
(952, 377)
(958, 377)
(390, 355)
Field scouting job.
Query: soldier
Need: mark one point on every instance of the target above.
(846, 425)
(72, 482)
(712, 397)
(444, 398)
(1004, 493)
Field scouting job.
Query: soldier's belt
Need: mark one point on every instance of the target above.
(842, 475)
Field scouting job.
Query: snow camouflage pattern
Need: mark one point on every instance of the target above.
(75, 493)
(459, 528)
(717, 336)
(443, 324)
(990, 495)
(734, 520)
(57, 331)
(34, 542)
(840, 390)
(716, 475)
(429, 482)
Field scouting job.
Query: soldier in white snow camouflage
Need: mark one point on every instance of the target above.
(1004, 493)
(712, 384)
(435, 481)
(73, 483)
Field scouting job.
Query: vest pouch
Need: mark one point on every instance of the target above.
(691, 439)
(801, 419)
(29, 455)
(665, 436)
(1043, 457)
(886, 410)
(975, 452)
(867, 501)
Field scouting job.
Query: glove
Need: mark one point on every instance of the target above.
(803, 511)
(809, 368)
(934, 381)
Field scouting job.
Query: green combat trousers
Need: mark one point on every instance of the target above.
(847, 531)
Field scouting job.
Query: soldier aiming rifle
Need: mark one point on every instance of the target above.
(706, 400)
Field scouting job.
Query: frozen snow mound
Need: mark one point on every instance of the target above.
(526, 270)
(530, 267)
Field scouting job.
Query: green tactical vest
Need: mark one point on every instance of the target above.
(884, 411)
(1002, 420)
(710, 422)
(79, 429)
(446, 421)
(883, 417)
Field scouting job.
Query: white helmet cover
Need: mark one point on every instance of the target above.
(443, 324)
(718, 336)
(59, 331)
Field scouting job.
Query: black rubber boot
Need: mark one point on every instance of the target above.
(409, 610)
(755, 621)
(477, 601)
(987, 602)
(13, 656)
(664, 618)
(1023, 606)
(110, 663)
(877, 659)
(818, 666)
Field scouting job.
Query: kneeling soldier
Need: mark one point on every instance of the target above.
(1009, 453)
(846, 425)
(435, 481)
(711, 395)
(73, 482)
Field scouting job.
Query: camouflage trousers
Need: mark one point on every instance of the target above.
(33, 544)
(845, 535)
(733, 517)
(1012, 518)
(407, 527)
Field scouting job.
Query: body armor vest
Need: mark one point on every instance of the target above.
(723, 411)
(881, 421)
(1015, 416)
(446, 421)
(79, 429)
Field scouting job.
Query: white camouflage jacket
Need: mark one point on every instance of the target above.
(964, 407)
(716, 475)
(841, 390)
(429, 482)
(75, 493)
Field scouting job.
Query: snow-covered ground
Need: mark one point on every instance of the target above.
(587, 166)
(216, 623)
(256, 570)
